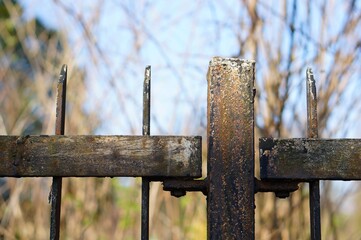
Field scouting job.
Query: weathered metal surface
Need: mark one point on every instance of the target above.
(146, 101)
(312, 122)
(282, 189)
(310, 159)
(312, 132)
(61, 101)
(55, 192)
(178, 188)
(230, 149)
(98, 156)
(146, 132)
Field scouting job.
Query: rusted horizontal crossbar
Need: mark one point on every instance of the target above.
(178, 188)
(100, 156)
(310, 159)
(282, 189)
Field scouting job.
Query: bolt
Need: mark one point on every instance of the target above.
(178, 193)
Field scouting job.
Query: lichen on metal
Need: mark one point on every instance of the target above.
(233, 62)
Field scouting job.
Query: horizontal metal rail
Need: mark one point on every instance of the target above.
(310, 159)
(100, 156)
(179, 188)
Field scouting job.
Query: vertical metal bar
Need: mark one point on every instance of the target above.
(55, 193)
(312, 132)
(230, 202)
(146, 132)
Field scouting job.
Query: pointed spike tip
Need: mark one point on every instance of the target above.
(63, 73)
(309, 76)
(147, 74)
(309, 71)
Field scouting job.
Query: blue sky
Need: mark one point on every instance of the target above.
(178, 39)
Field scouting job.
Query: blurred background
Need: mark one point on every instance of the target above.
(107, 45)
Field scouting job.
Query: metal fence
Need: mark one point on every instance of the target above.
(230, 184)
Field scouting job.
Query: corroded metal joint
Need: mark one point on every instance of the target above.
(179, 188)
(282, 189)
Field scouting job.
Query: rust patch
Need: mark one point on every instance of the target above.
(230, 149)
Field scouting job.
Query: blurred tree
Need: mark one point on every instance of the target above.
(31, 55)
(178, 39)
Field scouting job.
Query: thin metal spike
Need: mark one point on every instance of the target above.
(312, 123)
(146, 132)
(312, 132)
(55, 193)
(146, 101)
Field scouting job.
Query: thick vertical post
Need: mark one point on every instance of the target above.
(230, 149)
(55, 192)
(146, 132)
(312, 132)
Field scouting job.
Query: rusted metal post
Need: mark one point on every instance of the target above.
(55, 192)
(230, 149)
(146, 132)
(312, 132)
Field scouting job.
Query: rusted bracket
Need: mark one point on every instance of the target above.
(179, 188)
(282, 189)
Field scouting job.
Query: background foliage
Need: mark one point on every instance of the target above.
(107, 44)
